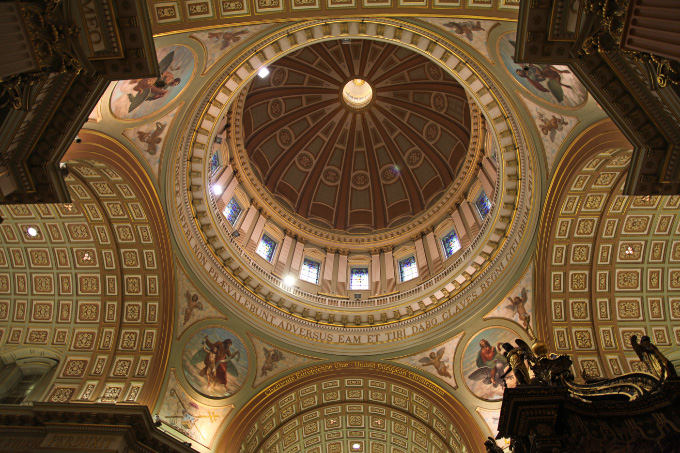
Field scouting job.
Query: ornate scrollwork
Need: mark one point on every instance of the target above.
(607, 38)
(49, 37)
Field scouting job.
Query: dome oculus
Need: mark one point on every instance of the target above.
(357, 94)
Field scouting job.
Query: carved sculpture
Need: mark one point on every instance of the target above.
(491, 446)
(516, 360)
(656, 362)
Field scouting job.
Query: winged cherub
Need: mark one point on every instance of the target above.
(465, 28)
(270, 359)
(153, 138)
(518, 308)
(192, 304)
(435, 360)
(550, 127)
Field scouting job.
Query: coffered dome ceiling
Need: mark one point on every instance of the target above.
(356, 135)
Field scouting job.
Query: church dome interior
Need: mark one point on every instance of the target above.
(306, 226)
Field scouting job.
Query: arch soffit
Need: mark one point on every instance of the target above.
(103, 149)
(290, 390)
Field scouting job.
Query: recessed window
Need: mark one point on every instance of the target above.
(21, 389)
(358, 278)
(266, 248)
(215, 163)
(408, 270)
(451, 244)
(310, 271)
(483, 205)
(232, 211)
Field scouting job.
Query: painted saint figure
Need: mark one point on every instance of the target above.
(435, 360)
(490, 364)
(223, 361)
(152, 89)
(538, 74)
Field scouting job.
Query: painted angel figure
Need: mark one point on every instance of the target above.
(550, 127)
(153, 138)
(223, 360)
(192, 304)
(227, 38)
(548, 74)
(466, 28)
(490, 364)
(152, 89)
(435, 360)
(517, 306)
(270, 359)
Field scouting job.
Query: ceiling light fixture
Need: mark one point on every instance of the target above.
(32, 232)
(217, 189)
(263, 72)
(289, 280)
(356, 446)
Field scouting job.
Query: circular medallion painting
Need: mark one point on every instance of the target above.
(138, 98)
(484, 363)
(215, 362)
(552, 83)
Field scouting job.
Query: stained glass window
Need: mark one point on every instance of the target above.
(358, 278)
(266, 248)
(215, 163)
(450, 243)
(232, 211)
(483, 205)
(310, 271)
(408, 270)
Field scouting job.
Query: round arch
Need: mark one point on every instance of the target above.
(329, 395)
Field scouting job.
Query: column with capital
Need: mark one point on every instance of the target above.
(375, 272)
(227, 194)
(460, 227)
(435, 256)
(341, 285)
(421, 258)
(298, 253)
(257, 233)
(327, 280)
(248, 221)
(284, 252)
(388, 263)
(470, 218)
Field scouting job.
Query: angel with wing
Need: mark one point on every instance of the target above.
(192, 304)
(152, 89)
(550, 127)
(537, 75)
(517, 306)
(435, 359)
(218, 368)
